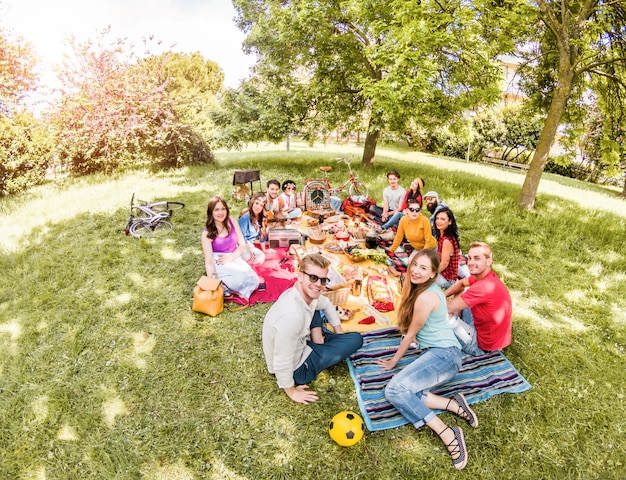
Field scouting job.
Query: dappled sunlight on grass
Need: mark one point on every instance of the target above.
(142, 345)
(137, 279)
(67, 433)
(157, 470)
(121, 299)
(168, 253)
(34, 473)
(113, 408)
(491, 240)
(40, 408)
(531, 309)
(525, 308)
(52, 204)
(11, 331)
(595, 269)
(573, 324)
(618, 314)
(14, 329)
(116, 377)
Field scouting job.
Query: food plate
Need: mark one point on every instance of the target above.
(380, 295)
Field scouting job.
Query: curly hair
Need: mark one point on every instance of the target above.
(452, 230)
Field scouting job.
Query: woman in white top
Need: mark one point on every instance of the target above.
(287, 200)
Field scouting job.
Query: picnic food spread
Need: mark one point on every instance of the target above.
(362, 287)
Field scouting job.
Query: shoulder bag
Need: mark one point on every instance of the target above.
(208, 296)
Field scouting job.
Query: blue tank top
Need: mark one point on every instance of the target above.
(437, 332)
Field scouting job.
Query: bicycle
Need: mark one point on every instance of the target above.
(356, 188)
(150, 220)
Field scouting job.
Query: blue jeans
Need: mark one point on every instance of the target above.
(443, 283)
(295, 213)
(336, 348)
(470, 347)
(335, 204)
(407, 391)
(393, 220)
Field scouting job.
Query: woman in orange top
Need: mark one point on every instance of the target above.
(415, 227)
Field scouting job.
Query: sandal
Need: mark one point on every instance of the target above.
(460, 450)
(464, 411)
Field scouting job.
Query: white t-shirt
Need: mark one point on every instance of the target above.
(286, 329)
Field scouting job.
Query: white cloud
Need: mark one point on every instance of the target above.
(182, 26)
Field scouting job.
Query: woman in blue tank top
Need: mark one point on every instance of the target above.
(423, 316)
(223, 245)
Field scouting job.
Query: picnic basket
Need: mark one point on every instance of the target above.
(340, 295)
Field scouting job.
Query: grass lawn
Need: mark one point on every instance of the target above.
(106, 373)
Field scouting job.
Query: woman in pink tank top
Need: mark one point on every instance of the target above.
(224, 248)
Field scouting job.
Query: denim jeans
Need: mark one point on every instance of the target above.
(336, 347)
(443, 283)
(407, 391)
(393, 220)
(470, 347)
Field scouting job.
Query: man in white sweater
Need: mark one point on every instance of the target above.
(295, 349)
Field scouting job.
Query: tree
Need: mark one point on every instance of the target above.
(575, 41)
(194, 82)
(17, 75)
(115, 112)
(391, 61)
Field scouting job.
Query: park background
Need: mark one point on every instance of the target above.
(105, 372)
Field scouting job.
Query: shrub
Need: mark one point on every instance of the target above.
(25, 152)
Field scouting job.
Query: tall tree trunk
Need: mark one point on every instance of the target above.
(371, 140)
(526, 199)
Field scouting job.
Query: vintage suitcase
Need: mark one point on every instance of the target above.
(284, 237)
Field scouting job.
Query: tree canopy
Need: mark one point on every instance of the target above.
(17, 74)
(377, 63)
(115, 110)
(575, 42)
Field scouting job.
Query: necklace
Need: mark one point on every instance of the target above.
(220, 230)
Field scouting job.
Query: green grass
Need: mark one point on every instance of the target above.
(106, 373)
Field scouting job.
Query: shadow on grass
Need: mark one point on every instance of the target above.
(107, 373)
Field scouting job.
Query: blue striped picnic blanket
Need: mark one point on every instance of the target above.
(479, 378)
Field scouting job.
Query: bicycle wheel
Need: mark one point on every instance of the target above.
(358, 189)
(151, 230)
(166, 206)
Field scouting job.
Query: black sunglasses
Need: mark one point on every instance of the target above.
(414, 210)
(315, 278)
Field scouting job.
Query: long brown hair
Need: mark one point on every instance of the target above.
(210, 221)
(411, 291)
(261, 219)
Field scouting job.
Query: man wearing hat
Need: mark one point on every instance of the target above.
(431, 199)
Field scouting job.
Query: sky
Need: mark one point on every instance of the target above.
(185, 26)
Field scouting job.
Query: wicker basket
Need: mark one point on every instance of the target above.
(316, 235)
(338, 297)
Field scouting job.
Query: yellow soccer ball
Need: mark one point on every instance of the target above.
(346, 428)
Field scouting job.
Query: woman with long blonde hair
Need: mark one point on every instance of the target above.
(423, 317)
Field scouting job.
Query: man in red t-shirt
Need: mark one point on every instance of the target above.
(485, 305)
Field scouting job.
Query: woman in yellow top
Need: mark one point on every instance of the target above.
(416, 228)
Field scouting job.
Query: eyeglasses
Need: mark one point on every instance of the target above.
(290, 188)
(414, 210)
(315, 278)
